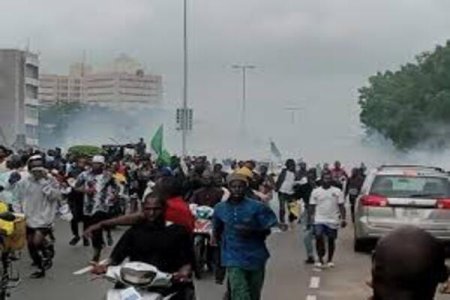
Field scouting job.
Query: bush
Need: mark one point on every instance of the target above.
(85, 150)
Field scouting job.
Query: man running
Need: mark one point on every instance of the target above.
(177, 210)
(305, 191)
(285, 188)
(99, 191)
(242, 225)
(39, 194)
(353, 188)
(75, 200)
(327, 214)
(339, 176)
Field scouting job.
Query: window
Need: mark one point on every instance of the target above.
(408, 186)
(31, 112)
(31, 91)
(31, 131)
(31, 71)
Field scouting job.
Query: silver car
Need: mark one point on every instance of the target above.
(393, 196)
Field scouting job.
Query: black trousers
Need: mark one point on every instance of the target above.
(43, 251)
(352, 206)
(97, 235)
(76, 207)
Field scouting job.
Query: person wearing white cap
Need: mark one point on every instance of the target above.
(99, 189)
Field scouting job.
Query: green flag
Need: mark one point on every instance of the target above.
(157, 144)
(165, 158)
(157, 141)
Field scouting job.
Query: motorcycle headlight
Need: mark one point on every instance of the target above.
(137, 277)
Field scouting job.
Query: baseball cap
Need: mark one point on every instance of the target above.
(35, 162)
(100, 159)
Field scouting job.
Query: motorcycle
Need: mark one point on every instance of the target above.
(202, 238)
(136, 281)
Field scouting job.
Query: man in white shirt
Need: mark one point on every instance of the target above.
(327, 214)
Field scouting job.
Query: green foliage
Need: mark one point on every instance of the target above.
(85, 150)
(412, 105)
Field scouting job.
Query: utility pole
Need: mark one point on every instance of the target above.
(293, 111)
(244, 69)
(185, 82)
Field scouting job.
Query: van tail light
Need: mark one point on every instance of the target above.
(374, 200)
(443, 203)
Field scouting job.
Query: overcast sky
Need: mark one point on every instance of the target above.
(309, 54)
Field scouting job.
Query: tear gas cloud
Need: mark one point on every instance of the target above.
(296, 136)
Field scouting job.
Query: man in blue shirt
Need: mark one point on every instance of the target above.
(242, 225)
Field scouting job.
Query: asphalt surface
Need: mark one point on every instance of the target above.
(288, 278)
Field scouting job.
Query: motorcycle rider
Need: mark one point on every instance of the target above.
(209, 195)
(154, 241)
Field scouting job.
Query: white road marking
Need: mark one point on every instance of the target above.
(314, 283)
(89, 268)
(311, 297)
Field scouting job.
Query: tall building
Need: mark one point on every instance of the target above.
(60, 88)
(19, 104)
(121, 84)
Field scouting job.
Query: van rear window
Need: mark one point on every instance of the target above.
(410, 187)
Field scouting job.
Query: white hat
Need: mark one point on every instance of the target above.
(100, 159)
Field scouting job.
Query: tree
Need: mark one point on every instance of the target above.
(411, 106)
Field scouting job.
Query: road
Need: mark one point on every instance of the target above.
(288, 278)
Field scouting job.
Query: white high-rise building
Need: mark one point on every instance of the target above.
(121, 84)
(19, 104)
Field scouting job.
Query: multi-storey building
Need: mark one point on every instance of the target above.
(19, 104)
(124, 83)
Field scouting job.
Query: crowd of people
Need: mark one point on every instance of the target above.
(153, 197)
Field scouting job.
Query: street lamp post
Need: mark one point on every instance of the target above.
(185, 81)
(293, 111)
(244, 69)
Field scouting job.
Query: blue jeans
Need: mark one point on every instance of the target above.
(322, 230)
(307, 234)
